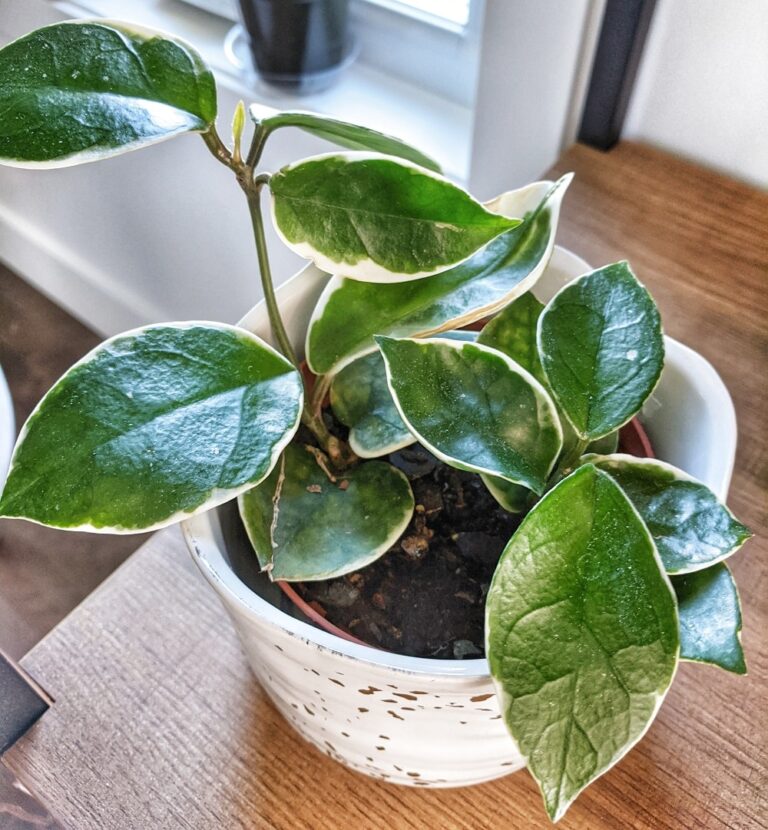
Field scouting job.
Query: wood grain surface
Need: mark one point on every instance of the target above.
(44, 573)
(158, 724)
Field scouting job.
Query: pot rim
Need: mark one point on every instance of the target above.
(200, 533)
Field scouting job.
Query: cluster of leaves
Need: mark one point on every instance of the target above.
(616, 571)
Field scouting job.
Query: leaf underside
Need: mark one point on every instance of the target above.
(582, 634)
(344, 134)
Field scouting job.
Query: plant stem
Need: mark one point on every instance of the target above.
(339, 452)
(568, 463)
(322, 385)
(253, 195)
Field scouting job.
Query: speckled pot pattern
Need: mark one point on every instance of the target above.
(410, 720)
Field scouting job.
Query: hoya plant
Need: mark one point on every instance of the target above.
(616, 571)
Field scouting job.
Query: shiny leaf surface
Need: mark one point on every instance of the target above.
(582, 634)
(361, 400)
(303, 526)
(80, 91)
(377, 219)
(349, 312)
(691, 527)
(710, 618)
(474, 408)
(153, 426)
(601, 346)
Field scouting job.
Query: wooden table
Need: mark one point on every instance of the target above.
(158, 723)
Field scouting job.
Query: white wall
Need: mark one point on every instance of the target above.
(702, 89)
(529, 84)
(162, 233)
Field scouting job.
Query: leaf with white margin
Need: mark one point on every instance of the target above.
(376, 218)
(305, 527)
(349, 312)
(153, 426)
(80, 91)
(343, 133)
(513, 332)
(360, 399)
(710, 618)
(691, 527)
(602, 349)
(474, 408)
(581, 634)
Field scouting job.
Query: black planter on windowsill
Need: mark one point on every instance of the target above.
(298, 45)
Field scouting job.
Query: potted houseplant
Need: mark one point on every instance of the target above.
(611, 569)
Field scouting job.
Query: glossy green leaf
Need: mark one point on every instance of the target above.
(377, 219)
(601, 346)
(474, 408)
(351, 136)
(349, 312)
(153, 426)
(710, 618)
(582, 634)
(80, 91)
(691, 527)
(513, 332)
(304, 527)
(360, 399)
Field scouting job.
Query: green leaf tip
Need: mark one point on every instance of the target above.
(710, 618)
(581, 634)
(80, 91)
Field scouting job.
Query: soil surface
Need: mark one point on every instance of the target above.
(426, 596)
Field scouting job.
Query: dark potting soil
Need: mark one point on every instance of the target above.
(426, 596)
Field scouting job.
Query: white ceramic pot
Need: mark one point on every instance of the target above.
(414, 720)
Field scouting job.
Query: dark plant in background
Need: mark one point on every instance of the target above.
(585, 627)
(297, 44)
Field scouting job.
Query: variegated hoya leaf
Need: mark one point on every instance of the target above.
(581, 634)
(361, 400)
(305, 526)
(474, 408)
(349, 313)
(84, 90)
(691, 527)
(153, 426)
(375, 218)
(601, 346)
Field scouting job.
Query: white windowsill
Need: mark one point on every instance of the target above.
(365, 95)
